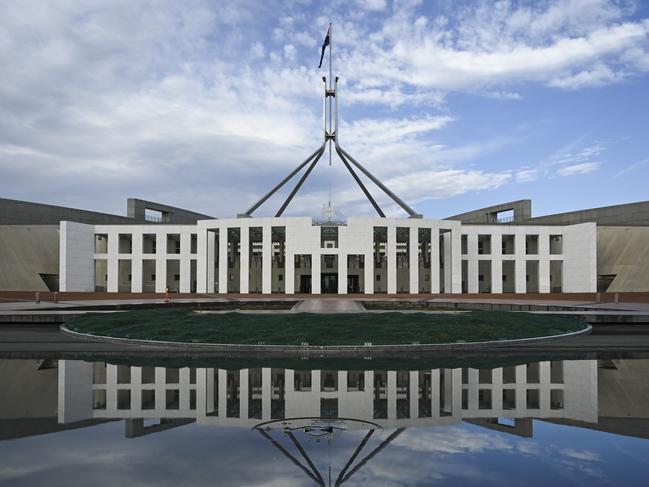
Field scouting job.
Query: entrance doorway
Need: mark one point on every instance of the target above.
(305, 284)
(329, 283)
(353, 285)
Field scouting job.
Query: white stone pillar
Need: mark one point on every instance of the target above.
(244, 260)
(392, 259)
(369, 273)
(456, 259)
(520, 263)
(434, 260)
(342, 273)
(112, 260)
(472, 254)
(544, 275)
(185, 265)
(224, 280)
(413, 260)
(161, 261)
(448, 263)
(205, 262)
(316, 261)
(267, 259)
(289, 273)
(136, 263)
(496, 264)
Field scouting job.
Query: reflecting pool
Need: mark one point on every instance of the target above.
(560, 422)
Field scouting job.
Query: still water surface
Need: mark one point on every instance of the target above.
(561, 422)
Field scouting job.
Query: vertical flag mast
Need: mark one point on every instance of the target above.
(330, 123)
(330, 88)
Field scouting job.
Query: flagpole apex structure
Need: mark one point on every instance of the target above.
(330, 127)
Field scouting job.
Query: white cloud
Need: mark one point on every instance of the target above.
(583, 168)
(290, 52)
(631, 167)
(374, 5)
(526, 175)
(424, 185)
(564, 44)
(202, 105)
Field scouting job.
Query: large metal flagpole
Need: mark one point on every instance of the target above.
(330, 84)
(331, 138)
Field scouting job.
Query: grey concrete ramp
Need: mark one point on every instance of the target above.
(327, 306)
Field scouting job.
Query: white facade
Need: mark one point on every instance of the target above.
(367, 255)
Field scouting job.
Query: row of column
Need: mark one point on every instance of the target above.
(452, 259)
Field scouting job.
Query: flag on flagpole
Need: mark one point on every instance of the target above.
(324, 46)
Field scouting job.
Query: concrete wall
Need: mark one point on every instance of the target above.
(170, 214)
(26, 251)
(627, 214)
(76, 264)
(15, 212)
(580, 258)
(624, 252)
(522, 212)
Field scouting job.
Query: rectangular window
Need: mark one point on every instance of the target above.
(124, 399)
(484, 244)
(101, 243)
(149, 243)
(194, 243)
(508, 242)
(328, 237)
(173, 243)
(148, 399)
(533, 399)
(556, 244)
(484, 399)
(556, 399)
(125, 243)
(531, 244)
(509, 399)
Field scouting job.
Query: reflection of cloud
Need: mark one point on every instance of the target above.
(580, 454)
(453, 440)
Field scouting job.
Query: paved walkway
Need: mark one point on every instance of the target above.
(328, 306)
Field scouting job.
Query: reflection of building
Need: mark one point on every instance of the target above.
(390, 399)
(29, 400)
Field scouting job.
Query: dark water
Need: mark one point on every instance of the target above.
(561, 422)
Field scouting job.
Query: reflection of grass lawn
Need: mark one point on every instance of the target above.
(318, 329)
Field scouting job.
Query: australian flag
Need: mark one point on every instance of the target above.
(324, 46)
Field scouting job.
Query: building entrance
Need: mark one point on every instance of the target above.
(353, 285)
(329, 283)
(305, 284)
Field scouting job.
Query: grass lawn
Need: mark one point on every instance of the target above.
(318, 329)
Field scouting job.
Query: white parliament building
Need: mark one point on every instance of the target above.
(295, 255)
(290, 255)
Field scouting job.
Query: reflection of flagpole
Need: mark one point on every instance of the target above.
(330, 87)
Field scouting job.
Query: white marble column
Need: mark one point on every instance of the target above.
(413, 260)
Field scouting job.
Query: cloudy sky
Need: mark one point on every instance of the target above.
(206, 104)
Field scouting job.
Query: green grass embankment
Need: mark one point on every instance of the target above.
(182, 325)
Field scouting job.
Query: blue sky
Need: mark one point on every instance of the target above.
(205, 105)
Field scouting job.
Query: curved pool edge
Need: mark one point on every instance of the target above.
(330, 350)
